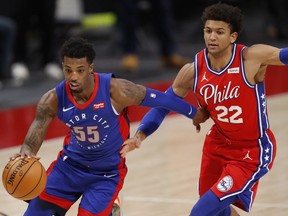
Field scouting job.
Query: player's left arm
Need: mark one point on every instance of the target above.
(267, 55)
(258, 57)
(124, 93)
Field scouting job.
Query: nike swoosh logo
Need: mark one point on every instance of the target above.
(66, 109)
(190, 111)
(110, 176)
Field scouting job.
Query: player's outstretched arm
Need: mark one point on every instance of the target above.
(149, 125)
(125, 93)
(266, 55)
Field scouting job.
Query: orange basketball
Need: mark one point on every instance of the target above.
(24, 178)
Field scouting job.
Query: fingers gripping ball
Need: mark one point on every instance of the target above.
(24, 178)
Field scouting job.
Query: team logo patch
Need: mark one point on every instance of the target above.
(98, 105)
(225, 184)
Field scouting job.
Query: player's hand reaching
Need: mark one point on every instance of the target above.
(201, 116)
(132, 143)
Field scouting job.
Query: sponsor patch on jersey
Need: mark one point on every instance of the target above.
(98, 105)
(233, 70)
(225, 184)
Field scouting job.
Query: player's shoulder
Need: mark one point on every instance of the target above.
(50, 93)
(49, 97)
(104, 75)
(187, 67)
(49, 102)
(257, 49)
(185, 77)
(187, 70)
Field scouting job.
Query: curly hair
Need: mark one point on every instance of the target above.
(78, 48)
(226, 13)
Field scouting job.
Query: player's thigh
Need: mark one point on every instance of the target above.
(100, 196)
(211, 167)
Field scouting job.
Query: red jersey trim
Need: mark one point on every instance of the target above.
(83, 106)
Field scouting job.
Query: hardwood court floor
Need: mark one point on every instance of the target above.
(163, 173)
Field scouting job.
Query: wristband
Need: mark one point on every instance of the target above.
(283, 56)
(152, 120)
(156, 98)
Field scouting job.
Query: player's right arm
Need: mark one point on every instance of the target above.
(46, 110)
(181, 86)
(184, 80)
(183, 83)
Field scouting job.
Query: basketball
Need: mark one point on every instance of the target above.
(24, 178)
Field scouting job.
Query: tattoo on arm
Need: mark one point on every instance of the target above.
(135, 93)
(38, 129)
(125, 93)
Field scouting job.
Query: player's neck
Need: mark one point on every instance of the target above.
(85, 95)
(218, 61)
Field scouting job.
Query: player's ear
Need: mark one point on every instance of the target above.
(91, 67)
(233, 37)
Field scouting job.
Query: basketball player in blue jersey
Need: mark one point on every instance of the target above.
(94, 107)
(228, 80)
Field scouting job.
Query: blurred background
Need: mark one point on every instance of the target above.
(145, 41)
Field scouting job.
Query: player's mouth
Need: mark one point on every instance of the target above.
(73, 86)
(212, 45)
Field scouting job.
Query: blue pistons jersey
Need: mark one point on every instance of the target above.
(97, 131)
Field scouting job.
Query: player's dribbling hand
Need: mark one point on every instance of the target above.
(24, 152)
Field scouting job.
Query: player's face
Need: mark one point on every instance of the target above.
(218, 37)
(77, 73)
